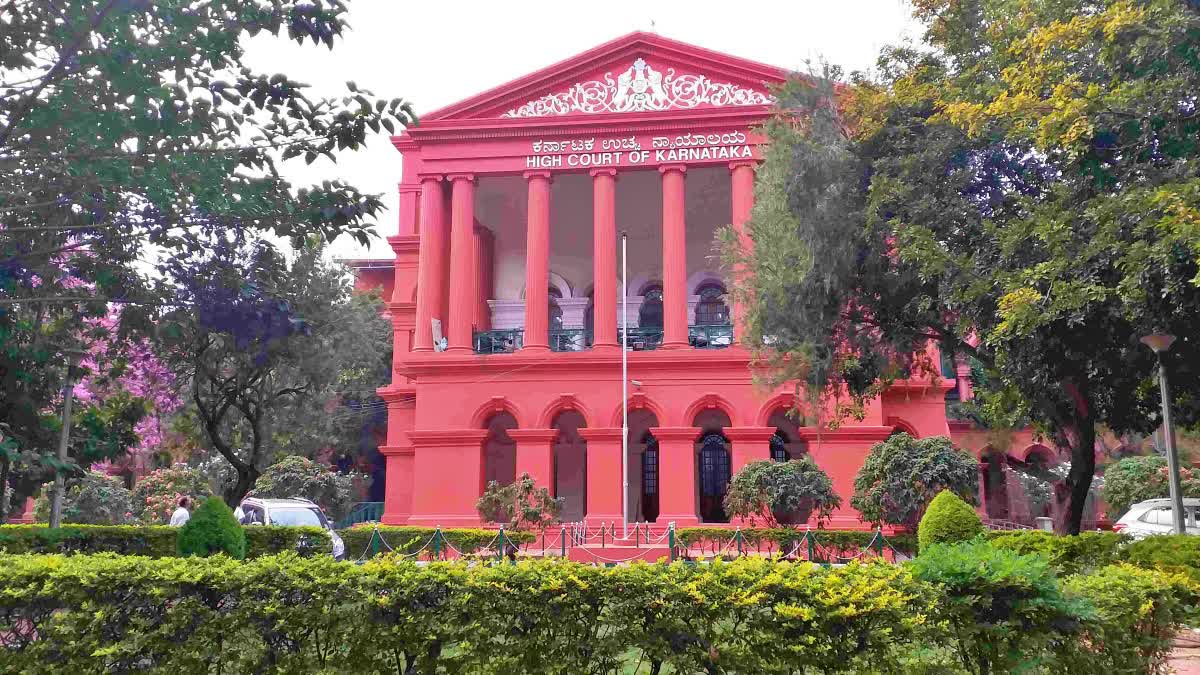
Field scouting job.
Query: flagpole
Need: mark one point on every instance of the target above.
(624, 387)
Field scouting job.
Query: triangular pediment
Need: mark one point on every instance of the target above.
(636, 73)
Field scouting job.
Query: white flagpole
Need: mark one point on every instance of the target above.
(624, 387)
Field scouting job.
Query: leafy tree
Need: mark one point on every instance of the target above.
(1020, 189)
(301, 477)
(781, 493)
(211, 530)
(135, 126)
(948, 520)
(903, 474)
(1136, 479)
(93, 498)
(269, 351)
(519, 505)
(156, 494)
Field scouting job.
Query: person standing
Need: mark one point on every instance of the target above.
(181, 515)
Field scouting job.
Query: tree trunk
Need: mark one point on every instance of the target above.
(1079, 480)
(5, 463)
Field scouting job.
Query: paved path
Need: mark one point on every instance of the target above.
(1186, 657)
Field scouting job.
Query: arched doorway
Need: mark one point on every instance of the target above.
(570, 465)
(714, 477)
(650, 315)
(499, 450)
(644, 479)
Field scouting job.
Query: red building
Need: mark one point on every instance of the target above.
(505, 295)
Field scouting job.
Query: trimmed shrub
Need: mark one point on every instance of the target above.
(903, 474)
(948, 520)
(212, 529)
(296, 476)
(781, 493)
(157, 493)
(1179, 553)
(520, 505)
(1068, 555)
(1005, 611)
(92, 498)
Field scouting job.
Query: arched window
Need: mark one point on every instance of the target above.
(714, 477)
(553, 311)
(712, 310)
(650, 479)
(651, 313)
(779, 451)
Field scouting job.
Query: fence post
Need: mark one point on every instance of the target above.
(374, 542)
(738, 535)
(437, 543)
(563, 540)
(671, 539)
(603, 535)
(637, 532)
(811, 547)
(879, 541)
(543, 541)
(500, 546)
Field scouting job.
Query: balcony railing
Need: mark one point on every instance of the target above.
(570, 339)
(710, 337)
(643, 339)
(499, 341)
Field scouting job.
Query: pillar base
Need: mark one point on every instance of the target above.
(674, 345)
(605, 348)
(535, 348)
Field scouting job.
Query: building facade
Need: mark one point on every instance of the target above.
(506, 298)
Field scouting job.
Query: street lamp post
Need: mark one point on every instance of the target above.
(1161, 344)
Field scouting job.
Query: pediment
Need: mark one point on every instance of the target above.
(636, 73)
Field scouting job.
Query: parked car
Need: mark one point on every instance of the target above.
(294, 512)
(1154, 516)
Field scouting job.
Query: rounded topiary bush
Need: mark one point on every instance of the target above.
(212, 529)
(948, 520)
(781, 493)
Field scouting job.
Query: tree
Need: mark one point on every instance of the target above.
(301, 477)
(903, 474)
(519, 505)
(781, 493)
(157, 494)
(93, 498)
(1136, 479)
(178, 139)
(212, 530)
(269, 350)
(1022, 190)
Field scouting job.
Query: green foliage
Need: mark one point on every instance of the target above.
(301, 477)
(1005, 611)
(1168, 552)
(1136, 479)
(1137, 613)
(519, 505)
(411, 540)
(846, 543)
(903, 474)
(156, 494)
(948, 520)
(212, 529)
(1067, 555)
(781, 493)
(155, 541)
(93, 498)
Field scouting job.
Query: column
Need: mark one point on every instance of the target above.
(675, 324)
(462, 262)
(535, 454)
(841, 453)
(742, 198)
(431, 271)
(398, 454)
(604, 258)
(537, 262)
(749, 444)
(484, 252)
(605, 480)
(440, 498)
(676, 475)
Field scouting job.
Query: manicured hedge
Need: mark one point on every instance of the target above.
(288, 614)
(154, 541)
(408, 540)
(782, 539)
(1068, 555)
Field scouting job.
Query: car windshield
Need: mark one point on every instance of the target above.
(297, 516)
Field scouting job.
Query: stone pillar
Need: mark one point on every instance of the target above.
(750, 444)
(674, 233)
(841, 453)
(742, 198)
(535, 454)
(462, 262)
(605, 482)
(484, 252)
(447, 477)
(398, 454)
(676, 475)
(431, 273)
(537, 262)
(604, 258)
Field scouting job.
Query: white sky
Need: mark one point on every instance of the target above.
(436, 53)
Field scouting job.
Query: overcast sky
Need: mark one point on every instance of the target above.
(436, 53)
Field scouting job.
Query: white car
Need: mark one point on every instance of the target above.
(1154, 516)
(294, 512)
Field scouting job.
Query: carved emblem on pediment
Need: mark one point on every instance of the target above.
(637, 89)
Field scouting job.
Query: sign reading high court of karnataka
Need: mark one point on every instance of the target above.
(583, 153)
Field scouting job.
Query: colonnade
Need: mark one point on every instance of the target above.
(447, 289)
